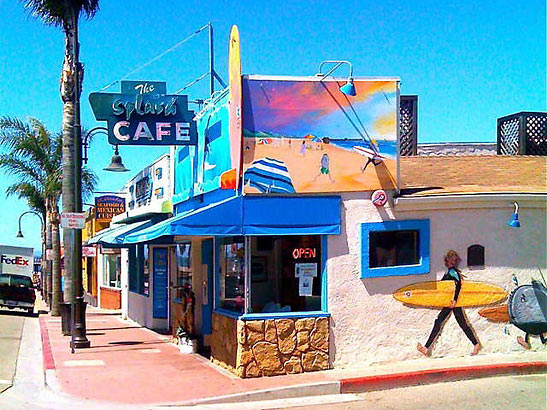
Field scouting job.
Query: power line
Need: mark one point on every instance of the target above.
(156, 58)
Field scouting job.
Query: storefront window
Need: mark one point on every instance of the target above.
(112, 271)
(184, 268)
(286, 274)
(231, 294)
(393, 248)
(138, 269)
(145, 261)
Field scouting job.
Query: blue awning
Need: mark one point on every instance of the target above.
(115, 235)
(251, 215)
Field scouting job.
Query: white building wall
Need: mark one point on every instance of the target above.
(369, 325)
(140, 307)
(125, 282)
(100, 275)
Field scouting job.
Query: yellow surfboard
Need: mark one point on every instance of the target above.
(235, 106)
(440, 294)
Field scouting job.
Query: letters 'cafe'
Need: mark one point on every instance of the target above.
(290, 231)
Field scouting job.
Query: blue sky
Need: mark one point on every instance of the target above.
(469, 62)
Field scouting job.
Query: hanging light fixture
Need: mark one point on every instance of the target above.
(116, 164)
(349, 87)
(514, 222)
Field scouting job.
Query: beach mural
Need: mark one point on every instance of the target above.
(302, 135)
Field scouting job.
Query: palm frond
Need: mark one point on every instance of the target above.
(12, 130)
(21, 168)
(33, 196)
(57, 12)
(89, 183)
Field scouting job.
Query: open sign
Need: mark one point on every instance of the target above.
(304, 253)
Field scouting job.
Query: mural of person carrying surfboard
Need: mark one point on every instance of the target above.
(451, 261)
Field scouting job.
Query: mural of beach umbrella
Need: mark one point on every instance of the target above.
(264, 141)
(269, 175)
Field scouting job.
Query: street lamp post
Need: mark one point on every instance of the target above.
(78, 325)
(44, 248)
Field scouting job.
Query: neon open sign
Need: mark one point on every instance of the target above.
(304, 253)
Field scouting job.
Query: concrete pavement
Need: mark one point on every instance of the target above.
(11, 329)
(137, 368)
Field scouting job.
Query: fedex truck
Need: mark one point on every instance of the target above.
(16, 260)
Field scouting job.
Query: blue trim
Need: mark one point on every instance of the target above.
(421, 225)
(177, 300)
(227, 313)
(282, 315)
(216, 274)
(250, 216)
(324, 276)
(207, 259)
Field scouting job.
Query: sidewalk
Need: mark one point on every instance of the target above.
(131, 364)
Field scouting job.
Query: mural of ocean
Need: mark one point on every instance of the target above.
(387, 148)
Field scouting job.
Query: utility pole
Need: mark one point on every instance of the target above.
(211, 60)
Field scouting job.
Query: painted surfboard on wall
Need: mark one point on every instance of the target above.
(236, 130)
(498, 314)
(440, 294)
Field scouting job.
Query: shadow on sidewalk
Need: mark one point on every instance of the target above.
(129, 343)
(103, 314)
(114, 328)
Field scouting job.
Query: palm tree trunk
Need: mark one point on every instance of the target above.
(68, 88)
(48, 281)
(43, 273)
(56, 256)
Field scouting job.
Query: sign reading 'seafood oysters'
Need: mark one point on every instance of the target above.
(145, 119)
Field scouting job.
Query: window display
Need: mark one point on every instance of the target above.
(112, 271)
(285, 276)
(231, 295)
(394, 248)
(184, 269)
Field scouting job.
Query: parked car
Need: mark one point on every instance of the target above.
(17, 291)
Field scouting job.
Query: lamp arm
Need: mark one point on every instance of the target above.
(516, 207)
(338, 64)
(30, 212)
(85, 137)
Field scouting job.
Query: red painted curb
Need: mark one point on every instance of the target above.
(390, 381)
(49, 363)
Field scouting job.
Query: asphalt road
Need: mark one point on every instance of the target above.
(11, 330)
(527, 392)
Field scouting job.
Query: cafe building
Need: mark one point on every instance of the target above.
(296, 223)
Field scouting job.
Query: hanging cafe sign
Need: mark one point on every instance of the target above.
(143, 114)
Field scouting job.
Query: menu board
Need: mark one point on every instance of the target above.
(160, 272)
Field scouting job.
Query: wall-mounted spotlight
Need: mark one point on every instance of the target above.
(514, 222)
(349, 87)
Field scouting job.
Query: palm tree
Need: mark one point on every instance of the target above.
(34, 156)
(65, 14)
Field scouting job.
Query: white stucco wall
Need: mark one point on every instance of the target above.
(369, 325)
(140, 307)
(125, 282)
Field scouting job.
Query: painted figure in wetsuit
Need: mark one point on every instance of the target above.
(451, 261)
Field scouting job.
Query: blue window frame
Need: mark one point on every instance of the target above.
(395, 248)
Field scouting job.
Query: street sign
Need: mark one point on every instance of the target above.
(72, 220)
(89, 251)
